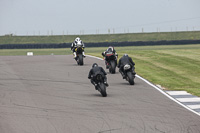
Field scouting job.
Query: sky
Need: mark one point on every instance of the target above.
(63, 17)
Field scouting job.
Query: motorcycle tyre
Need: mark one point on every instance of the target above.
(112, 67)
(130, 78)
(80, 60)
(102, 89)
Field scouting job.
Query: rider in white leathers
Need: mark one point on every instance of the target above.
(74, 45)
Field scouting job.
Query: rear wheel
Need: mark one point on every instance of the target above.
(130, 78)
(102, 89)
(80, 60)
(112, 67)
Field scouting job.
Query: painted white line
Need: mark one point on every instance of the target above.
(178, 93)
(194, 106)
(164, 93)
(94, 57)
(188, 99)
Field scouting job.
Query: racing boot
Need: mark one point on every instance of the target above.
(116, 61)
(75, 55)
(95, 85)
(107, 65)
(134, 72)
(83, 54)
(123, 75)
(106, 83)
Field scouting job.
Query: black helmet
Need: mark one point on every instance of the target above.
(94, 65)
(126, 55)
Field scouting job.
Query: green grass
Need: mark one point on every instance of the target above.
(175, 67)
(130, 37)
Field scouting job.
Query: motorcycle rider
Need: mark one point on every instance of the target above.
(94, 71)
(109, 50)
(123, 61)
(74, 46)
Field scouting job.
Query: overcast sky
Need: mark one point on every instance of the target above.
(34, 17)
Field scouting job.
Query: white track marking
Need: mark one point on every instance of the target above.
(194, 106)
(94, 57)
(178, 93)
(154, 86)
(188, 99)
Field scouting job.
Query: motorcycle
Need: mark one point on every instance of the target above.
(111, 62)
(101, 87)
(79, 52)
(129, 76)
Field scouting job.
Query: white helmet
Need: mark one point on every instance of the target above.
(77, 39)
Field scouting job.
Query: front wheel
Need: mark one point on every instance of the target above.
(102, 89)
(130, 78)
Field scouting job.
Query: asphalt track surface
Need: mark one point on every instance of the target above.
(51, 94)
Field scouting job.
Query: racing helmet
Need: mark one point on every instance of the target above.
(77, 39)
(125, 55)
(94, 65)
(110, 48)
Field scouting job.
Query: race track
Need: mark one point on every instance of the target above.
(51, 94)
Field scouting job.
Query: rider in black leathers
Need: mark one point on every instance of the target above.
(97, 70)
(123, 61)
